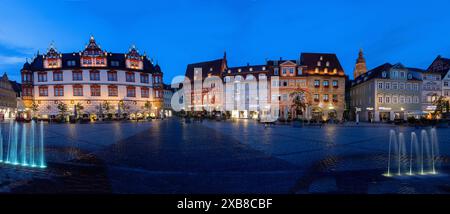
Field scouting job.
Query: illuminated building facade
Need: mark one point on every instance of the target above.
(386, 93)
(8, 100)
(441, 67)
(320, 78)
(92, 83)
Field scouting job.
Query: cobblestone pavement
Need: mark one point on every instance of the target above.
(170, 156)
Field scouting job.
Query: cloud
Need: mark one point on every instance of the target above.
(11, 60)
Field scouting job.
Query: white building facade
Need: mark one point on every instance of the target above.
(92, 83)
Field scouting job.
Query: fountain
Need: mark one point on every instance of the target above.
(21, 148)
(424, 154)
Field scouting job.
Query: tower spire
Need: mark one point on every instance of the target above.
(360, 67)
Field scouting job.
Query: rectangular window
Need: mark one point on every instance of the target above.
(380, 85)
(395, 100)
(284, 70)
(113, 91)
(316, 83)
(144, 78)
(387, 99)
(408, 86)
(401, 86)
(130, 77)
(275, 71)
(446, 84)
(77, 90)
(131, 92)
(145, 92)
(326, 83)
(112, 76)
(57, 76)
(42, 77)
(59, 91)
(291, 70)
(43, 91)
(95, 91)
(325, 98)
(394, 86)
(71, 63)
(387, 85)
(335, 98)
(94, 75)
(380, 99)
(77, 75)
(316, 97)
(335, 83)
(115, 63)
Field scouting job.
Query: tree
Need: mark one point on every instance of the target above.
(441, 104)
(62, 107)
(148, 107)
(78, 108)
(107, 107)
(124, 107)
(34, 108)
(299, 102)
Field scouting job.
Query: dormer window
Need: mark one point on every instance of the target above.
(321, 58)
(210, 69)
(384, 74)
(328, 64)
(251, 69)
(115, 63)
(409, 76)
(71, 63)
(264, 68)
(319, 63)
(239, 70)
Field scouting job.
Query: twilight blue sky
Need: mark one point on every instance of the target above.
(178, 32)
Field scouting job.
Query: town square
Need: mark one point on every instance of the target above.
(213, 105)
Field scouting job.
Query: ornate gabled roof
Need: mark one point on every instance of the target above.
(52, 53)
(133, 53)
(4, 77)
(92, 49)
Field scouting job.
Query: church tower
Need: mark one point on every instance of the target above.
(360, 67)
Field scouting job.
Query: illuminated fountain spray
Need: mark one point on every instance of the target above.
(424, 154)
(21, 148)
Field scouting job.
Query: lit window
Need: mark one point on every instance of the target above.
(77, 90)
(145, 92)
(94, 75)
(77, 75)
(57, 76)
(112, 76)
(335, 83)
(113, 91)
(95, 91)
(130, 77)
(43, 91)
(42, 77)
(144, 78)
(59, 91)
(316, 83)
(131, 92)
